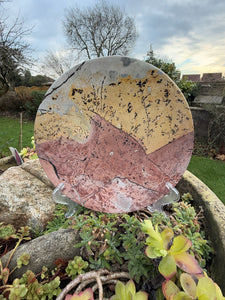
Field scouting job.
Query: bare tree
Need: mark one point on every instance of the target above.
(58, 62)
(13, 50)
(101, 30)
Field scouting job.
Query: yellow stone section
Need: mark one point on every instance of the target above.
(151, 109)
(51, 126)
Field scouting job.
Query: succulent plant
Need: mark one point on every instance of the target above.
(173, 251)
(128, 292)
(85, 295)
(76, 266)
(202, 288)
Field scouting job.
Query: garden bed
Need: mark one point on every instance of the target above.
(116, 243)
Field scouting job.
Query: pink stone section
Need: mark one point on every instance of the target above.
(111, 172)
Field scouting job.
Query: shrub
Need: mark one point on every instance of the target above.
(10, 102)
(31, 106)
(30, 99)
(189, 89)
(23, 98)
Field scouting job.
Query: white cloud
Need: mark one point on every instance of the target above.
(189, 32)
(196, 54)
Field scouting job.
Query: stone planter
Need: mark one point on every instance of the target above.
(214, 210)
(214, 213)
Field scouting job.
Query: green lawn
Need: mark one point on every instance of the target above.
(211, 172)
(10, 134)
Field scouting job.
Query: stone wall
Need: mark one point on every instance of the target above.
(212, 88)
(210, 93)
(201, 119)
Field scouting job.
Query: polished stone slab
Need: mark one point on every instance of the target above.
(114, 130)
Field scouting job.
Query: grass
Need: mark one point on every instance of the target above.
(211, 172)
(10, 134)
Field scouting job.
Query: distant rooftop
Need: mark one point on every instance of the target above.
(206, 77)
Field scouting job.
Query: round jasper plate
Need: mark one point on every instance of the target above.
(114, 130)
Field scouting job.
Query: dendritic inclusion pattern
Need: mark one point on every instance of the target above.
(114, 130)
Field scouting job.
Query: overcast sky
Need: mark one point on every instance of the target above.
(189, 32)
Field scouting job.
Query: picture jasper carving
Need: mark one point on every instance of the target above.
(114, 130)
